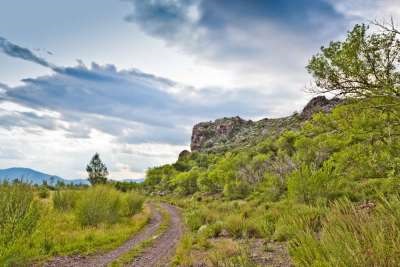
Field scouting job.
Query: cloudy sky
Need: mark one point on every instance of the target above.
(128, 79)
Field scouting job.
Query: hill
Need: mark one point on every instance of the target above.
(35, 177)
(227, 133)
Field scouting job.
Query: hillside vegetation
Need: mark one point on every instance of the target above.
(328, 186)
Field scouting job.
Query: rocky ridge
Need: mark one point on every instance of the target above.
(227, 133)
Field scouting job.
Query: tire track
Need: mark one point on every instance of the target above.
(163, 248)
(105, 259)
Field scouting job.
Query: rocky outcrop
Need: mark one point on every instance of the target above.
(319, 104)
(224, 129)
(226, 133)
(184, 155)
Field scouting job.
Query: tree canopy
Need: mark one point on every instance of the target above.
(97, 170)
(364, 65)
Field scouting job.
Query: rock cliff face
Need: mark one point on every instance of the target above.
(227, 133)
(319, 104)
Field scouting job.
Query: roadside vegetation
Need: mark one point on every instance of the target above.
(38, 223)
(329, 190)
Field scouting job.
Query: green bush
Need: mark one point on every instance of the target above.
(236, 190)
(206, 184)
(235, 225)
(43, 193)
(133, 203)
(64, 200)
(99, 204)
(255, 227)
(309, 185)
(186, 182)
(195, 219)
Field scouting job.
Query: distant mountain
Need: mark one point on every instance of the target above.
(77, 181)
(138, 180)
(35, 177)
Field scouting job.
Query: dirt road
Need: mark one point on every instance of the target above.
(158, 254)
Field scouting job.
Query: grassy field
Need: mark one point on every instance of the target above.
(37, 226)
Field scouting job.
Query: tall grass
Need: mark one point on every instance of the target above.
(64, 200)
(19, 214)
(33, 229)
(99, 204)
(352, 236)
(43, 193)
(133, 203)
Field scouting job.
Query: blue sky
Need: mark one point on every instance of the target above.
(128, 79)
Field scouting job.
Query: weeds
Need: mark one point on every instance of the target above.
(352, 235)
(64, 200)
(19, 214)
(99, 204)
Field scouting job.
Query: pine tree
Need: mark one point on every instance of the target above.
(97, 171)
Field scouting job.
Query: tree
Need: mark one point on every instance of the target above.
(364, 65)
(97, 170)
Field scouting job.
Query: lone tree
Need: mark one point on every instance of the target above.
(97, 171)
(365, 65)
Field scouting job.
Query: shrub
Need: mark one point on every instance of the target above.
(64, 200)
(255, 227)
(235, 225)
(230, 254)
(43, 193)
(308, 185)
(186, 182)
(216, 228)
(133, 203)
(206, 184)
(195, 219)
(236, 190)
(99, 204)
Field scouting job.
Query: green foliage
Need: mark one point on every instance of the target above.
(235, 225)
(133, 203)
(195, 219)
(159, 178)
(233, 258)
(99, 204)
(64, 200)
(362, 66)
(97, 170)
(43, 192)
(236, 190)
(207, 184)
(19, 214)
(31, 230)
(352, 236)
(127, 186)
(308, 185)
(185, 183)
